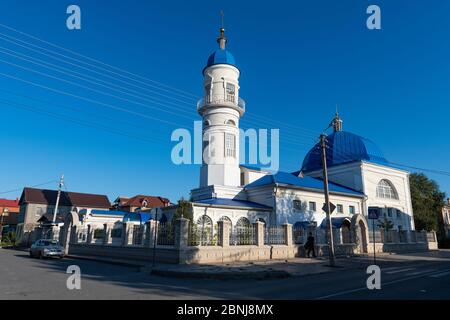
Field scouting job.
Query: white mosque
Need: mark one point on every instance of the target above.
(360, 177)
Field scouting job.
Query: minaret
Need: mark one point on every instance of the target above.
(221, 109)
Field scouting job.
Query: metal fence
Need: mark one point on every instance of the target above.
(116, 233)
(202, 235)
(138, 235)
(82, 235)
(166, 234)
(275, 235)
(243, 235)
(298, 235)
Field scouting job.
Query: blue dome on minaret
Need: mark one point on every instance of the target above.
(221, 56)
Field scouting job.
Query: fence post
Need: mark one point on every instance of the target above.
(74, 235)
(181, 233)
(150, 229)
(107, 228)
(288, 234)
(434, 235)
(224, 232)
(90, 233)
(259, 226)
(127, 233)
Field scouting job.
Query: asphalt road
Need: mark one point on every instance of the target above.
(412, 276)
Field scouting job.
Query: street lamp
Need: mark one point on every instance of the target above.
(5, 211)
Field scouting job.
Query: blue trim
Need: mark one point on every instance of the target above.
(335, 222)
(232, 203)
(137, 217)
(104, 212)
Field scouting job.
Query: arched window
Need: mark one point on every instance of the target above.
(231, 123)
(204, 221)
(242, 223)
(225, 218)
(386, 189)
(205, 230)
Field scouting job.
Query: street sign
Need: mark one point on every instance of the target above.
(332, 207)
(374, 213)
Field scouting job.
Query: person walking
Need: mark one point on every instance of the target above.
(310, 246)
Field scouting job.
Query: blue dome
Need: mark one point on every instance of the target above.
(221, 56)
(343, 147)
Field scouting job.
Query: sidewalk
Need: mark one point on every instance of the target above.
(260, 270)
(273, 269)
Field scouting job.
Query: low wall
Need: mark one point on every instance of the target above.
(237, 253)
(135, 253)
(200, 255)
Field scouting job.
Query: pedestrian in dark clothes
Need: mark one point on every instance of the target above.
(310, 246)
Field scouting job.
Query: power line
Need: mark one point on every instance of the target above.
(37, 185)
(83, 77)
(181, 92)
(261, 117)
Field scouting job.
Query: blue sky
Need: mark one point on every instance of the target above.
(298, 60)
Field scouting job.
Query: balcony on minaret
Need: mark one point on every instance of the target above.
(228, 100)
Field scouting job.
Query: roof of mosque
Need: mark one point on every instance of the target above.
(306, 182)
(343, 147)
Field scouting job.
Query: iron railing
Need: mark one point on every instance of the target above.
(221, 99)
(138, 235)
(275, 235)
(199, 235)
(243, 235)
(166, 234)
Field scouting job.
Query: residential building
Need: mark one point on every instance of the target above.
(9, 210)
(38, 206)
(140, 203)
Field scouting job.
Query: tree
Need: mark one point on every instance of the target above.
(386, 224)
(427, 201)
(184, 209)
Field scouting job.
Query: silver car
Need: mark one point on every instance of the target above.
(46, 248)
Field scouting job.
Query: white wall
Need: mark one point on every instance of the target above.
(287, 213)
(372, 174)
(215, 213)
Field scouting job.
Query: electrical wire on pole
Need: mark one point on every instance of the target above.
(327, 201)
(61, 183)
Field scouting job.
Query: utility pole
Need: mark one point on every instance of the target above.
(323, 145)
(61, 183)
(155, 239)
